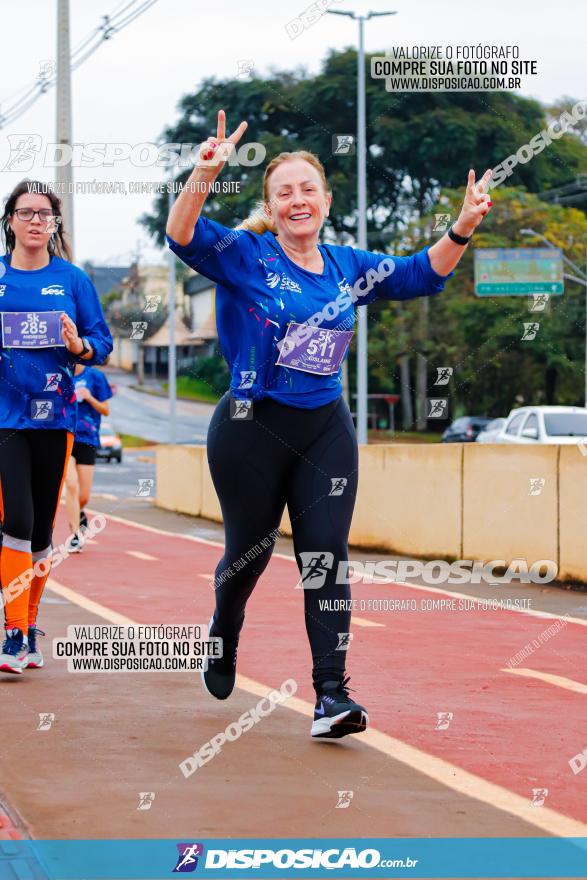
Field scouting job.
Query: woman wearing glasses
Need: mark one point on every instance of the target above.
(51, 319)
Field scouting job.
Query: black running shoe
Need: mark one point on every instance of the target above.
(219, 673)
(75, 544)
(335, 714)
(83, 521)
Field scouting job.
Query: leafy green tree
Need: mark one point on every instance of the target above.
(481, 337)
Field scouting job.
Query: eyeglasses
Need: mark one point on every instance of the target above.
(26, 214)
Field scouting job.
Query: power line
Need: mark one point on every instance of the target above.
(135, 14)
(111, 25)
(118, 10)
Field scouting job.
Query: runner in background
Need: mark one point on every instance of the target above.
(51, 319)
(92, 391)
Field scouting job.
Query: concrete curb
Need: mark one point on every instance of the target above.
(10, 827)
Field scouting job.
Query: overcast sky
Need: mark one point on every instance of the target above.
(128, 90)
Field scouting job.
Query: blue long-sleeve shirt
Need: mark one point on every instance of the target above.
(36, 384)
(259, 290)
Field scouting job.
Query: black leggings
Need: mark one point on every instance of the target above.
(32, 466)
(286, 455)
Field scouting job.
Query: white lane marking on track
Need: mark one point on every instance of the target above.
(358, 621)
(138, 554)
(549, 678)
(546, 615)
(440, 771)
(89, 604)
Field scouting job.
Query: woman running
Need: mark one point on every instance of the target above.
(92, 392)
(283, 434)
(51, 320)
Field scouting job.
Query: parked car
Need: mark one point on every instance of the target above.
(562, 425)
(110, 443)
(465, 429)
(491, 431)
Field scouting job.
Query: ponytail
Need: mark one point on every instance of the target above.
(258, 221)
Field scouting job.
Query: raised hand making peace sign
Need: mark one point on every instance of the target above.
(447, 251)
(477, 203)
(215, 151)
(213, 155)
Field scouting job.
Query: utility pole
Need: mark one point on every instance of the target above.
(422, 366)
(362, 366)
(64, 173)
(172, 358)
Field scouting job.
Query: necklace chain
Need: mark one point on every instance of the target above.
(286, 251)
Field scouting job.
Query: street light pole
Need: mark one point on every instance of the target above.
(362, 373)
(582, 279)
(362, 360)
(172, 359)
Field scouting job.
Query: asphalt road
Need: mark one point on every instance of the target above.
(147, 415)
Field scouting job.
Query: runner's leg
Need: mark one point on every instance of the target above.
(72, 499)
(50, 457)
(321, 513)
(248, 465)
(85, 474)
(17, 525)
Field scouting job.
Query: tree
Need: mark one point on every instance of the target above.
(481, 337)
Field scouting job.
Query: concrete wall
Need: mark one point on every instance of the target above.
(124, 352)
(409, 499)
(501, 519)
(573, 526)
(459, 501)
(179, 478)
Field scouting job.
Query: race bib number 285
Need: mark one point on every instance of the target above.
(31, 329)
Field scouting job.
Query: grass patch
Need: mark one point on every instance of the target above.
(404, 437)
(195, 389)
(129, 440)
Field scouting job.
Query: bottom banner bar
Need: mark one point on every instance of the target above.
(530, 857)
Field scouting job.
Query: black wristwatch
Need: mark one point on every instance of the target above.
(458, 239)
(86, 347)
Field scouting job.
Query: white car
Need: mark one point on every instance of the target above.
(562, 425)
(490, 432)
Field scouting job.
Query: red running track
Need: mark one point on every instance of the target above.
(519, 733)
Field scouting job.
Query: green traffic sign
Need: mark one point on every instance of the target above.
(518, 271)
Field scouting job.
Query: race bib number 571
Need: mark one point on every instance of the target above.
(31, 329)
(314, 350)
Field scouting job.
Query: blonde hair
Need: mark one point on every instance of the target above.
(258, 221)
